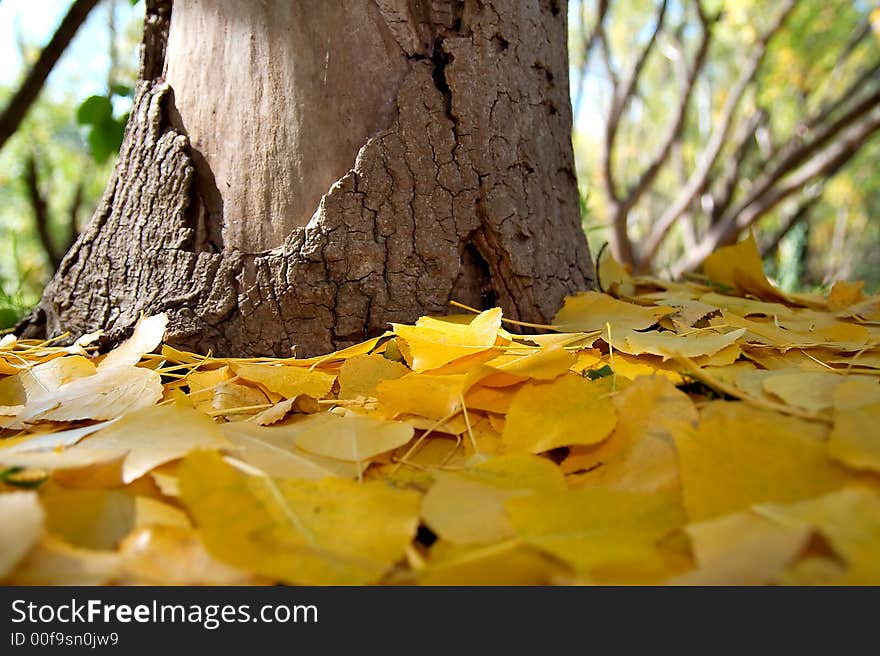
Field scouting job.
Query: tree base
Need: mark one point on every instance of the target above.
(469, 195)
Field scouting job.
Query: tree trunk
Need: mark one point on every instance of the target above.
(296, 176)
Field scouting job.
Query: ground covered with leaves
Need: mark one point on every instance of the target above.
(710, 432)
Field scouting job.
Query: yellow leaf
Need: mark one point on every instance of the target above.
(813, 391)
(843, 294)
(434, 397)
(463, 511)
(740, 267)
(569, 410)
(146, 438)
(628, 366)
(149, 512)
(640, 455)
(506, 563)
(202, 384)
(669, 345)
(231, 396)
(849, 520)
(49, 441)
(273, 450)
(328, 532)
(92, 519)
(490, 399)
(743, 455)
(353, 437)
(590, 311)
(360, 375)
(855, 438)
(104, 395)
(23, 523)
(512, 366)
(432, 343)
(173, 555)
(468, 507)
(597, 530)
(288, 381)
(148, 334)
(742, 549)
(53, 562)
(302, 404)
(612, 277)
(46, 378)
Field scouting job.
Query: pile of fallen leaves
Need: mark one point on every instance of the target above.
(717, 431)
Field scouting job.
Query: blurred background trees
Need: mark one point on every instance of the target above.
(700, 119)
(56, 161)
(694, 121)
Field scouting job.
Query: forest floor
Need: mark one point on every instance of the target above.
(715, 431)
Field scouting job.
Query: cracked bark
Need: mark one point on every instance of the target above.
(300, 188)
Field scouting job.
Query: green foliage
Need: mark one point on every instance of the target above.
(803, 69)
(105, 131)
(73, 140)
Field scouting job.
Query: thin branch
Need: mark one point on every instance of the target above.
(588, 41)
(796, 149)
(822, 164)
(30, 88)
(72, 213)
(742, 140)
(797, 152)
(40, 208)
(798, 216)
(605, 49)
(674, 130)
(623, 93)
(699, 178)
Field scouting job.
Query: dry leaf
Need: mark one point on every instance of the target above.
(569, 410)
(743, 455)
(600, 533)
(855, 438)
(288, 381)
(432, 343)
(352, 437)
(327, 532)
(23, 518)
(591, 311)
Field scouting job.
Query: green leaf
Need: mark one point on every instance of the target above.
(94, 111)
(121, 90)
(601, 372)
(8, 317)
(20, 477)
(105, 139)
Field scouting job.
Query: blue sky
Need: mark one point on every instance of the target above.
(83, 68)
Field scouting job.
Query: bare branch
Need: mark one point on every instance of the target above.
(796, 152)
(623, 93)
(30, 88)
(605, 49)
(800, 214)
(72, 213)
(588, 41)
(673, 131)
(743, 138)
(40, 209)
(699, 178)
(823, 163)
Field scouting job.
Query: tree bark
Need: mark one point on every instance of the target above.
(295, 176)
